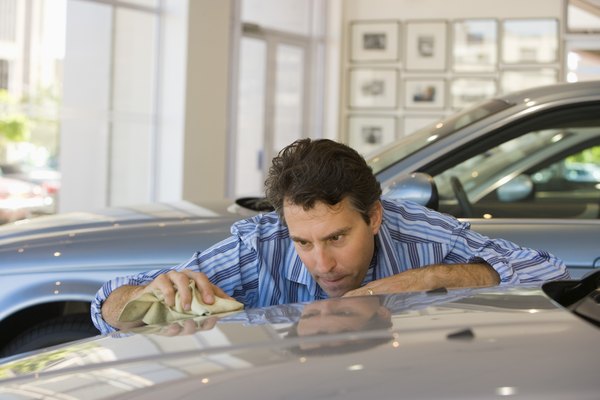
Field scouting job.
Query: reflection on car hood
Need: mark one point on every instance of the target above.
(116, 237)
(151, 212)
(478, 343)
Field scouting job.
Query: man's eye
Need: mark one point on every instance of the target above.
(336, 238)
(344, 313)
(302, 243)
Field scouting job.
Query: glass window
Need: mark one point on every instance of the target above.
(289, 96)
(251, 116)
(548, 173)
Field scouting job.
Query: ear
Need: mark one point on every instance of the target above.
(376, 216)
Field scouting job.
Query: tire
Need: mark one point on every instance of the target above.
(50, 333)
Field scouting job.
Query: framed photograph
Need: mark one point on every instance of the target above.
(468, 91)
(424, 93)
(530, 41)
(374, 41)
(368, 133)
(373, 87)
(426, 45)
(413, 123)
(475, 45)
(513, 80)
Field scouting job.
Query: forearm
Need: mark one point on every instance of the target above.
(459, 276)
(433, 277)
(116, 301)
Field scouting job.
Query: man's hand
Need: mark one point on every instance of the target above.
(168, 284)
(188, 326)
(432, 277)
(179, 281)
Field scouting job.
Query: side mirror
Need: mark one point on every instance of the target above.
(518, 188)
(418, 187)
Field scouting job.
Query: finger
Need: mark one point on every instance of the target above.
(206, 288)
(181, 281)
(363, 291)
(208, 323)
(189, 327)
(172, 330)
(163, 284)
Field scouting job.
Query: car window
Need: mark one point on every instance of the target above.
(424, 137)
(547, 173)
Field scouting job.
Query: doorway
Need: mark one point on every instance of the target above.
(274, 68)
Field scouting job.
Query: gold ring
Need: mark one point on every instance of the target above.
(370, 291)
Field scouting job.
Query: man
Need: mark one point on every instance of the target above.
(332, 235)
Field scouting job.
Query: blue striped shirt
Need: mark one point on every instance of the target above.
(258, 264)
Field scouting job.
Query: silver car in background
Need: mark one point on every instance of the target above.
(500, 164)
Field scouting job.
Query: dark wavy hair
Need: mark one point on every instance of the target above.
(322, 170)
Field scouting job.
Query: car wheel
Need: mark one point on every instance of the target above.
(50, 333)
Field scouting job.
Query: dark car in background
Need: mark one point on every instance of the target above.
(500, 165)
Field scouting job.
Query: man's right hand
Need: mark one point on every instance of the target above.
(168, 284)
(179, 281)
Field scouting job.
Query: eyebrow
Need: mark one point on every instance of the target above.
(341, 231)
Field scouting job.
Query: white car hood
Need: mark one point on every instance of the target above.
(479, 344)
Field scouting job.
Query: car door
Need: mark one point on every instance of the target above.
(544, 166)
(512, 176)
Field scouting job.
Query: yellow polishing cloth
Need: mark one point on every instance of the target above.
(151, 309)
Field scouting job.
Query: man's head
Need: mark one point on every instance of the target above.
(329, 199)
(310, 171)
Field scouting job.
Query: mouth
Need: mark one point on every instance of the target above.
(331, 282)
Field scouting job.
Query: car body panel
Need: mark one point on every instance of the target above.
(474, 343)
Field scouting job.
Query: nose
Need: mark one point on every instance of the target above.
(324, 260)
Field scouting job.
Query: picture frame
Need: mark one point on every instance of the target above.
(425, 93)
(467, 91)
(367, 133)
(373, 88)
(426, 45)
(475, 45)
(412, 123)
(374, 41)
(518, 79)
(530, 41)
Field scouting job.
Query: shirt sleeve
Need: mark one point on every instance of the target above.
(514, 264)
(229, 264)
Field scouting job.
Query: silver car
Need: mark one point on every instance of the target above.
(500, 164)
(518, 342)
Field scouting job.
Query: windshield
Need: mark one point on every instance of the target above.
(420, 139)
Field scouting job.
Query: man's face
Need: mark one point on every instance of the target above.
(334, 242)
(339, 315)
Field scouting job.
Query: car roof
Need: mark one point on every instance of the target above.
(468, 343)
